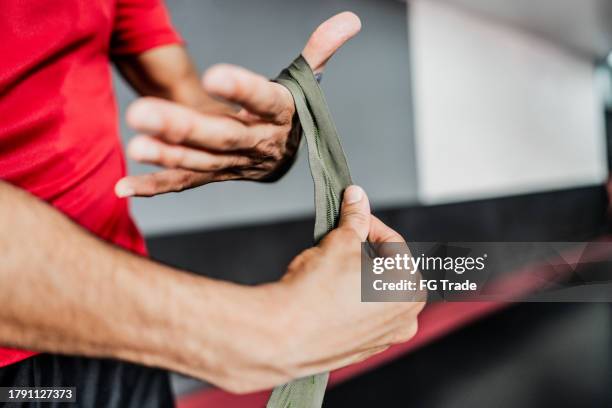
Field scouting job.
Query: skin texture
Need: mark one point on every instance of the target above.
(80, 295)
(197, 139)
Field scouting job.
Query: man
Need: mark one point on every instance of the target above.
(74, 279)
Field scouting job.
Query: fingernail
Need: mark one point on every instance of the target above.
(143, 150)
(353, 194)
(123, 189)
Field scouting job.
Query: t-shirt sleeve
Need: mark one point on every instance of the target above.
(140, 25)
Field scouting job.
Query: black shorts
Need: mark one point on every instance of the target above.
(99, 383)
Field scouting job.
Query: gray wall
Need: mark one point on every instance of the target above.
(367, 86)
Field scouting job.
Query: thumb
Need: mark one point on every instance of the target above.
(355, 211)
(328, 38)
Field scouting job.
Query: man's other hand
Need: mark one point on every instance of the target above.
(314, 320)
(247, 136)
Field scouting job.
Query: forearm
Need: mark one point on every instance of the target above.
(167, 72)
(63, 290)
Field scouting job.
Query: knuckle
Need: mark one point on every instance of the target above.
(413, 330)
(237, 162)
(231, 140)
(378, 350)
(274, 105)
(286, 105)
(239, 387)
(417, 307)
(188, 179)
(392, 236)
(175, 157)
(268, 147)
(406, 333)
(178, 182)
(302, 259)
(147, 189)
(297, 263)
(157, 184)
(217, 164)
(178, 131)
(355, 215)
(367, 354)
(250, 92)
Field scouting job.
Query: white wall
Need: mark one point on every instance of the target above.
(366, 86)
(499, 110)
(582, 25)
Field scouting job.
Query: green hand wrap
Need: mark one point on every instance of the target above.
(331, 176)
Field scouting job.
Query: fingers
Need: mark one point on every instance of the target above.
(355, 212)
(402, 331)
(165, 181)
(380, 233)
(350, 359)
(180, 125)
(147, 149)
(270, 100)
(329, 37)
(252, 91)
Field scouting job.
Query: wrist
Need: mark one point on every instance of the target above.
(292, 145)
(218, 331)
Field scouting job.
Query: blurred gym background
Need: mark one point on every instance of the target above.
(464, 120)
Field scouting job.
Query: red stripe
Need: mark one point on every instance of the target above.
(435, 322)
(9, 356)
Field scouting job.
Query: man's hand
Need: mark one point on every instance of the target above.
(87, 297)
(315, 319)
(247, 136)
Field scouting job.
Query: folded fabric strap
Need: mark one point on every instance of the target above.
(331, 176)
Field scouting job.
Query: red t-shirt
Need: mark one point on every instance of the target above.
(59, 135)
